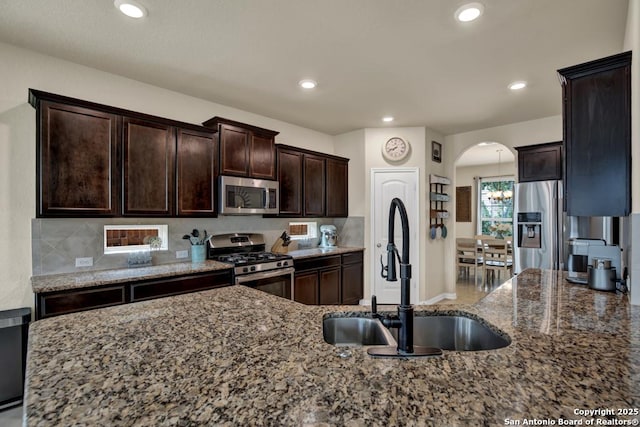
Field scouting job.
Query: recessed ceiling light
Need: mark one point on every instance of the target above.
(308, 84)
(387, 119)
(131, 8)
(486, 143)
(517, 85)
(469, 12)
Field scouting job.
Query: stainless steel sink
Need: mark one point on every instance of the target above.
(355, 331)
(455, 333)
(451, 332)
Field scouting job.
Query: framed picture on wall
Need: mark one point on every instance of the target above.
(436, 151)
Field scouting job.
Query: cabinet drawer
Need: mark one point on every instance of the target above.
(178, 285)
(53, 304)
(352, 258)
(319, 262)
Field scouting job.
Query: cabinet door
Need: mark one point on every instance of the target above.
(179, 285)
(329, 286)
(597, 126)
(290, 179)
(352, 283)
(541, 162)
(148, 167)
(262, 151)
(196, 173)
(305, 288)
(77, 167)
(234, 150)
(314, 185)
(56, 303)
(337, 188)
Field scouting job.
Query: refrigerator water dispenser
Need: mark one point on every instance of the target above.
(529, 230)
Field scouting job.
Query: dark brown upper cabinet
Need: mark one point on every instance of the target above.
(149, 151)
(597, 136)
(245, 150)
(290, 179)
(312, 184)
(541, 162)
(337, 187)
(77, 168)
(97, 160)
(196, 173)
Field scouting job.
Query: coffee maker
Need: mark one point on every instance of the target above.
(328, 236)
(600, 261)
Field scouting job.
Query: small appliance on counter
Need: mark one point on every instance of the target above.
(602, 261)
(578, 258)
(328, 236)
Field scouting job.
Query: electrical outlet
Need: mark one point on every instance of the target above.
(182, 254)
(84, 262)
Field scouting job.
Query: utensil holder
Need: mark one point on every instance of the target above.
(198, 253)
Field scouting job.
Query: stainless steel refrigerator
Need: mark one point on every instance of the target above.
(539, 223)
(542, 230)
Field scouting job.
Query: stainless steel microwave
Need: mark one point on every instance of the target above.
(248, 196)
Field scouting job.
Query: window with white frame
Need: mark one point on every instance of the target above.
(495, 206)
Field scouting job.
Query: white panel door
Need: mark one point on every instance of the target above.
(387, 184)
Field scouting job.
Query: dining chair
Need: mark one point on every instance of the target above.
(468, 255)
(496, 257)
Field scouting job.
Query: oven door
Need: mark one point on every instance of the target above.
(274, 282)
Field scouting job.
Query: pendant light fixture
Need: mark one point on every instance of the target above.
(500, 195)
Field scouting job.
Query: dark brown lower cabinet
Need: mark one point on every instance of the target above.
(329, 286)
(50, 304)
(330, 279)
(305, 288)
(63, 302)
(352, 278)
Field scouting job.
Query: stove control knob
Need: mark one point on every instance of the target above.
(245, 270)
(285, 263)
(253, 268)
(278, 264)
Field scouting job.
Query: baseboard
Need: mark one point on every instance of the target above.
(437, 299)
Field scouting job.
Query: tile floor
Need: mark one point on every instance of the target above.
(469, 290)
(11, 417)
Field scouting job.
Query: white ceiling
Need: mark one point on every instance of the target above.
(407, 58)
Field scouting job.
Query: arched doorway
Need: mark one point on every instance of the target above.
(484, 175)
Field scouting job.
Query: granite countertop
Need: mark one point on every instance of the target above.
(317, 252)
(237, 356)
(59, 282)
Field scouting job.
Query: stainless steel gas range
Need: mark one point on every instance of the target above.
(253, 266)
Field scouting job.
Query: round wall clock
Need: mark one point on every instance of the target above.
(395, 149)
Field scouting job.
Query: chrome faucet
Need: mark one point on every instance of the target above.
(404, 320)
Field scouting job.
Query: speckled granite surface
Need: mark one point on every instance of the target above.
(59, 282)
(317, 252)
(236, 356)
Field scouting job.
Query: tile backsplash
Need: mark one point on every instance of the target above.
(56, 243)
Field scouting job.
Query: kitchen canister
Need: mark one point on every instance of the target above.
(198, 253)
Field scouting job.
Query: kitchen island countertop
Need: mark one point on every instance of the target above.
(237, 356)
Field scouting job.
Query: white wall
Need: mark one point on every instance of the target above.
(632, 224)
(464, 176)
(430, 278)
(351, 145)
(22, 69)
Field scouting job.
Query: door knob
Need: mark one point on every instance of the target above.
(379, 245)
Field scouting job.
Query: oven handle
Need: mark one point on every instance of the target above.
(264, 275)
